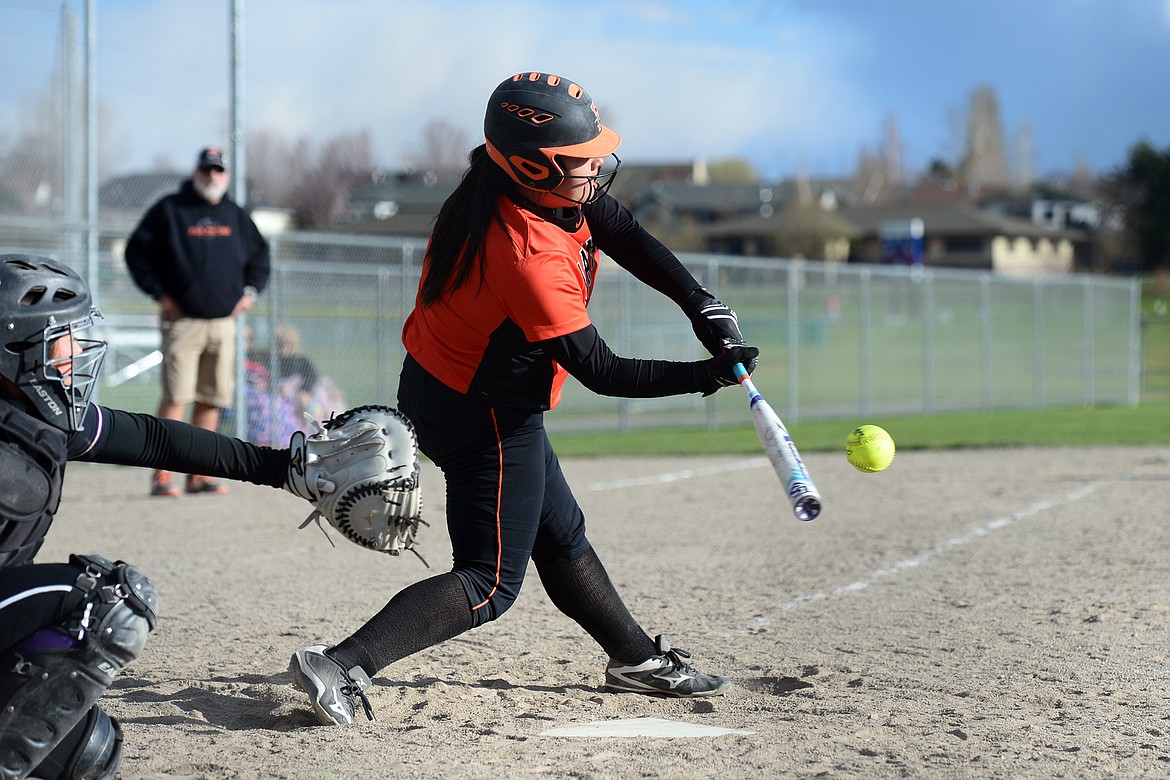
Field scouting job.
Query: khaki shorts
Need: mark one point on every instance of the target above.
(199, 362)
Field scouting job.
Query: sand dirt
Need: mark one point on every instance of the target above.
(985, 613)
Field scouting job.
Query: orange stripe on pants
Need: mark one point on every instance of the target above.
(499, 500)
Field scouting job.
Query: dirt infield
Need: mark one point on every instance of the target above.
(996, 613)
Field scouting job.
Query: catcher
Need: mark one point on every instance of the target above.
(66, 629)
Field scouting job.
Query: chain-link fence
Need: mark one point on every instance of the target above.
(1155, 361)
(835, 340)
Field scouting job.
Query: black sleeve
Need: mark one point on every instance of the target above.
(586, 356)
(140, 250)
(259, 266)
(130, 439)
(617, 233)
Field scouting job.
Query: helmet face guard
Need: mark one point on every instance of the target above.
(600, 181)
(535, 120)
(44, 308)
(70, 366)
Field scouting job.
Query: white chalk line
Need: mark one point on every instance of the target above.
(906, 564)
(684, 474)
(857, 586)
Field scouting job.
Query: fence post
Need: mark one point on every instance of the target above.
(275, 292)
(406, 296)
(793, 412)
(625, 342)
(985, 362)
(1039, 345)
(927, 281)
(1088, 356)
(382, 329)
(864, 341)
(1135, 343)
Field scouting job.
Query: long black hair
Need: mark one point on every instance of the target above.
(462, 224)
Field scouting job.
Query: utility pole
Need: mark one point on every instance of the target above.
(239, 184)
(239, 169)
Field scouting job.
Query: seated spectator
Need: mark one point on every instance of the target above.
(281, 389)
(291, 362)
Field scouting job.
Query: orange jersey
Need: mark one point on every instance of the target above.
(481, 338)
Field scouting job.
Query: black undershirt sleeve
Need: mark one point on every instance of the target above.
(617, 233)
(132, 439)
(586, 356)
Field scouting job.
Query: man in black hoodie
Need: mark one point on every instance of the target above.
(200, 255)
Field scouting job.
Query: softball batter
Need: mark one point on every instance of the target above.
(500, 321)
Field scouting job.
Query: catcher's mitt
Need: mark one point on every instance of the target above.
(360, 471)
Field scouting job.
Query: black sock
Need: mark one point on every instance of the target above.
(419, 616)
(583, 591)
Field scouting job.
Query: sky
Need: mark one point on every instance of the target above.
(793, 86)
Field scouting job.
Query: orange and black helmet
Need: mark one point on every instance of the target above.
(532, 118)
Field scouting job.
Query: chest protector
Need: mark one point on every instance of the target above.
(32, 464)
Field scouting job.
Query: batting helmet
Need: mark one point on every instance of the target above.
(42, 301)
(534, 117)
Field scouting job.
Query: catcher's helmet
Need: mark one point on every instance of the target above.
(41, 301)
(534, 117)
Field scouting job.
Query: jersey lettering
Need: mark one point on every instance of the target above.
(587, 265)
(203, 230)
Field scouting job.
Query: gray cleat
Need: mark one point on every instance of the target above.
(664, 674)
(332, 688)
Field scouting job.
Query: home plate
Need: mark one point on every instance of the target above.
(639, 727)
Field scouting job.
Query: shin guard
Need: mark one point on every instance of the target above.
(51, 679)
(92, 751)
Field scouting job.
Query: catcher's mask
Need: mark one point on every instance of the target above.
(44, 306)
(535, 119)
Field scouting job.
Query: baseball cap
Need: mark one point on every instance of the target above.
(210, 157)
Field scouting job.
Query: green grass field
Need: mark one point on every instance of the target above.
(1148, 424)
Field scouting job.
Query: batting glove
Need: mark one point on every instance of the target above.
(713, 321)
(718, 370)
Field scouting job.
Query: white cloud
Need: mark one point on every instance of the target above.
(774, 79)
(664, 80)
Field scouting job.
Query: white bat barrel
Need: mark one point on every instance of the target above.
(782, 452)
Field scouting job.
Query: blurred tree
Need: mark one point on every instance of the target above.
(272, 168)
(891, 150)
(1023, 160)
(41, 158)
(940, 170)
(1144, 188)
(443, 156)
(314, 182)
(878, 173)
(342, 163)
(33, 157)
(984, 163)
(732, 170)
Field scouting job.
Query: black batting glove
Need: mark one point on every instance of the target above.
(717, 372)
(713, 321)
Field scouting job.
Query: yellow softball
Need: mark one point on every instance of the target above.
(869, 448)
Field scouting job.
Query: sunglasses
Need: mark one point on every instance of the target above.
(211, 169)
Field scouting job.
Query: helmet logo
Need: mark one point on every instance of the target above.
(530, 169)
(44, 394)
(596, 115)
(531, 114)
